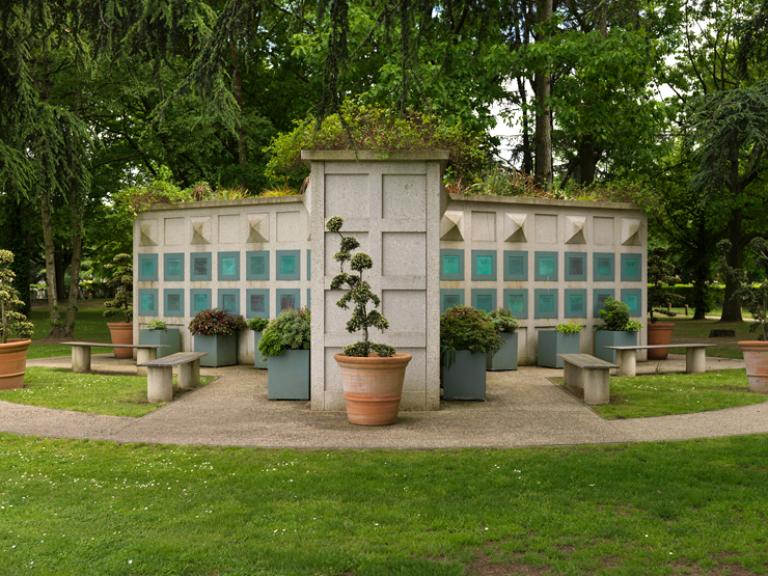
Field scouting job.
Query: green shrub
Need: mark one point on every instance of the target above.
(216, 323)
(503, 320)
(569, 328)
(157, 325)
(258, 324)
(120, 272)
(359, 127)
(289, 331)
(615, 316)
(465, 328)
(13, 324)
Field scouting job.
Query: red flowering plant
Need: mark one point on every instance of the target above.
(216, 323)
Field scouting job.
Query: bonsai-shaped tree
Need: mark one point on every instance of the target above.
(121, 280)
(755, 297)
(357, 294)
(615, 316)
(13, 324)
(660, 273)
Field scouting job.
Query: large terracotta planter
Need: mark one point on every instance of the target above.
(756, 358)
(659, 333)
(121, 333)
(373, 386)
(13, 363)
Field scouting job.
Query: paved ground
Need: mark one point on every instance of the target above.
(523, 409)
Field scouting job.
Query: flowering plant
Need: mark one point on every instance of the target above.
(216, 323)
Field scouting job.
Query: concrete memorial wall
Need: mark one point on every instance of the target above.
(548, 261)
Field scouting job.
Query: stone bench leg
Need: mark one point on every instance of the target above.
(627, 362)
(572, 376)
(144, 355)
(695, 360)
(189, 375)
(160, 384)
(81, 359)
(596, 386)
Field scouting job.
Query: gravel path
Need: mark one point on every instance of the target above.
(523, 409)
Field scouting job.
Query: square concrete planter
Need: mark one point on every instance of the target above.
(465, 378)
(604, 338)
(170, 339)
(220, 350)
(289, 376)
(506, 356)
(259, 360)
(553, 343)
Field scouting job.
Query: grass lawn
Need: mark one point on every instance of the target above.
(91, 325)
(111, 394)
(687, 330)
(95, 508)
(663, 394)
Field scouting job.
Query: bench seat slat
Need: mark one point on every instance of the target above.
(110, 345)
(586, 361)
(654, 346)
(174, 359)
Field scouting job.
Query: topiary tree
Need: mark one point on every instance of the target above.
(358, 294)
(615, 317)
(13, 324)
(120, 272)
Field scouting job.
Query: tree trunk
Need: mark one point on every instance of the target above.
(735, 260)
(526, 126)
(543, 89)
(237, 91)
(587, 160)
(60, 262)
(76, 207)
(50, 264)
(701, 289)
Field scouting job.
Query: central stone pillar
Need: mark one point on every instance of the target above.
(391, 203)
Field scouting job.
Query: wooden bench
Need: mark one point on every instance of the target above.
(81, 353)
(588, 374)
(695, 356)
(160, 374)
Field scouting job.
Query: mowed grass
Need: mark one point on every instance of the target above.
(95, 508)
(90, 325)
(665, 394)
(111, 394)
(687, 330)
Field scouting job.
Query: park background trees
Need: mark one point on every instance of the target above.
(661, 103)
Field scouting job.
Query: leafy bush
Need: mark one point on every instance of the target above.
(289, 331)
(503, 320)
(157, 325)
(569, 328)
(216, 322)
(499, 181)
(120, 272)
(258, 324)
(13, 324)
(465, 328)
(358, 293)
(360, 127)
(615, 316)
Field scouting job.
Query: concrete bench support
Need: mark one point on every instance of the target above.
(189, 375)
(589, 375)
(81, 359)
(144, 355)
(627, 362)
(695, 360)
(160, 384)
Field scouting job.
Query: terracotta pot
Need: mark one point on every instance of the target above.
(372, 387)
(121, 333)
(756, 358)
(13, 363)
(659, 333)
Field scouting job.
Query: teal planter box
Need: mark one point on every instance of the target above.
(506, 356)
(552, 343)
(220, 350)
(289, 376)
(604, 338)
(259, 360)
(465, 378)
(169, 338)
